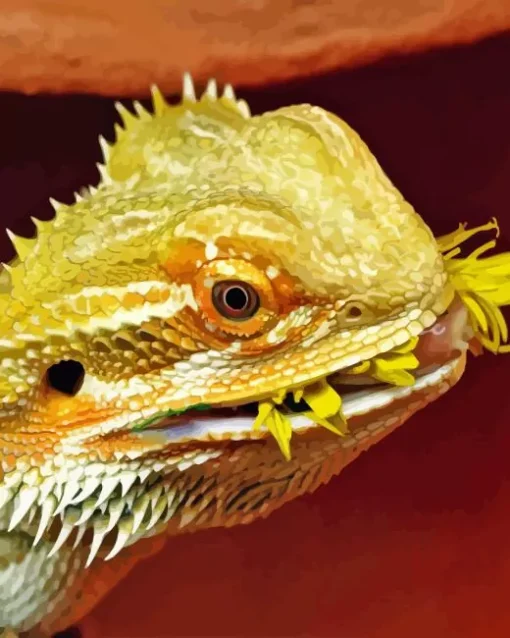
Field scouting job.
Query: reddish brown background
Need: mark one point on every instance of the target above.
(412, 540)
(111, 47)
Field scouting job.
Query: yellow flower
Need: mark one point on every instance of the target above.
(325, 409)
(482, 284)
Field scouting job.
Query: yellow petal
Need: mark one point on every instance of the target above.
(277, 424)
(459, 236)
(265, 408)
(387, 374)
(497, 317)
(408, 346)
(398, 361)
(298, 394)
(476, 311)
(503, 349)
(323, 399)
(336, 424)
(452, 253)
(281, 429)
(481, 250)
(279, 397)
(360, 368)
(494, 326)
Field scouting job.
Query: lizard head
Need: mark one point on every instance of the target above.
(228, 269)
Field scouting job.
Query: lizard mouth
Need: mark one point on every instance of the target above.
(439, 354)
(236, 423)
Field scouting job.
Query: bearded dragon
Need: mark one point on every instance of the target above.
(240, 308)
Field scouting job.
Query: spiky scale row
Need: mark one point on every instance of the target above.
(105, 148)
(211, 90)
(105, 178)
(160, 106)
(120, 505)
(6, 496)
(124, 532)
(188, 89)
(90, 485)
(48, 508)
(158, 100)
(25, 499)
(106, 518)
(24, 245)
(128, 118)
(65, 531)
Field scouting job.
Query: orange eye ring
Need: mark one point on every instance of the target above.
(235, 300)
(235, 297)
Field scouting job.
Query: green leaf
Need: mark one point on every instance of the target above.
(159, 416)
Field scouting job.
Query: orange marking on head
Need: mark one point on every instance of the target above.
(182, 265)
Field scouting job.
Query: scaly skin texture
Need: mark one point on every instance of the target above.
(293, 203)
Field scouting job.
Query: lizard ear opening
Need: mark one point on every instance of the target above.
(66, 377)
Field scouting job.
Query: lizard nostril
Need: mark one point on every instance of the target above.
(66, 377)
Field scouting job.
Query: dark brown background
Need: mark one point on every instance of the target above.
(412, 540)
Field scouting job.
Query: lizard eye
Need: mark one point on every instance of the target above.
(235, 300)
(66, 377)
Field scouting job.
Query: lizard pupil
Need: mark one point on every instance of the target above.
(235, 299)
(66, 377)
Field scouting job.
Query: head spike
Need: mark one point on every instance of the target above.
(105, 148)
(119, 131)
(140, 111)
(128, 118)
(228, 92)
(211, 90)
(55, 204)
(241, 106)
(22, 245)
(188, 89)
(244, 109)
(159, 103)
(38, 223)
(6, 267)
(103, 172)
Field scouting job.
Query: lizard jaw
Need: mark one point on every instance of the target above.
(235, 421)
